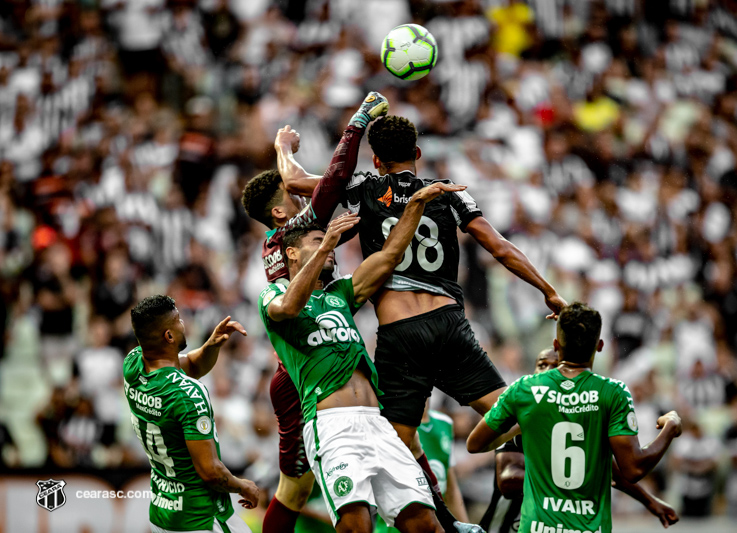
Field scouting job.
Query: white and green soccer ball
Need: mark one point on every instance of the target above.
(409, 52)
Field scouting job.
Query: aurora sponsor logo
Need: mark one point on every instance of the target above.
(333, 328)
(336, 468)
(539, 527)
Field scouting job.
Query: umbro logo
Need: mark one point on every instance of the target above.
(387, 198)
(567, 385)
(538, 391)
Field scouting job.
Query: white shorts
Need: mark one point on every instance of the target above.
(234, 524)
(357, 456)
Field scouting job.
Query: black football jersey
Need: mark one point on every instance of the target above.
(431, 260)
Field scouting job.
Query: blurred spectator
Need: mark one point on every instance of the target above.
(694, 457)
(599, 136)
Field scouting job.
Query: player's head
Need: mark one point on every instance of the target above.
(157, 325)
(393, 140)
(546, 360)
(579, 328)
(300, 244)
(265, 199)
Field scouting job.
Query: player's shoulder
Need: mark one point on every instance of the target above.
(612, 384)
(272, 290)
(442, 418)
(361, 178)
(339, 285)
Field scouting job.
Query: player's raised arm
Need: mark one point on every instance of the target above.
(296, 179)
(217, 476)
(327, 190)
(199, 362)
(374, 271)
(515, 261)
(291, 303)
(635, 462)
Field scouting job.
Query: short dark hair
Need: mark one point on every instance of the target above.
(581, 326)
(261, 195)
(145, 316)
(293, 236)
(393, 139)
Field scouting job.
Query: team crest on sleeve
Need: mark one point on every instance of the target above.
(204, 424)
(268, 297)
(632, 421)
(334, 301)
(51, 494)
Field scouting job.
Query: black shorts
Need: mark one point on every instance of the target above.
(435, 349)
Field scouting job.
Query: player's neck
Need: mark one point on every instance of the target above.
(570, 369)
(395, 168)
(156, 359)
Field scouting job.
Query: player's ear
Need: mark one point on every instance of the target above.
(600, 345)
(556, 345)
(169, 336)
(292, 253)
(418, 153)
(277, 212)
(377, 162)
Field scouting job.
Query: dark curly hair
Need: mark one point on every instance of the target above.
(147, 314)
(393, 139)
(261, 195)
(581, 327)
(294, 235)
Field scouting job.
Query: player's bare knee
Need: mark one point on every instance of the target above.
(294, 492)
(354, 518)
(417, 518)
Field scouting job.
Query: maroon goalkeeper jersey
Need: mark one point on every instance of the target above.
(325, 198)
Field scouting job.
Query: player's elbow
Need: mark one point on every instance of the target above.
(632, 473)
(503, 250)
(210, 472)
(511, 483)
(475, 444)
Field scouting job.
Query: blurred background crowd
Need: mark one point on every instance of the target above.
(599, 136)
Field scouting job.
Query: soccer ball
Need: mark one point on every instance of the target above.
(409, 52)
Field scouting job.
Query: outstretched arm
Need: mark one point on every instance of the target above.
(376, 268)
(296, 179)
(635, 462)
(327, 190)
(199, 362)
(291, 303)
(665, 513)
(515, 261)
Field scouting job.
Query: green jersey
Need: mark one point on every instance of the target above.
(436, 437)
(169, 408)
(321, 347)
(566, 424)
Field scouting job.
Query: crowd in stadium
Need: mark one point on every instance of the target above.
(600, 136)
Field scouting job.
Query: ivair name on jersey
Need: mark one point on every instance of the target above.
(144, 402)
(569, 506)
(333, 328)
(273, 262)
(575, 402)
(539, 527)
